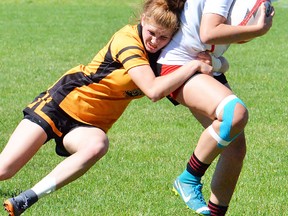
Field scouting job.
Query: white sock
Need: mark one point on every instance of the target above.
(46, 186)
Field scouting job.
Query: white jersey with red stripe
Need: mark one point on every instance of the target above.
(186, 43)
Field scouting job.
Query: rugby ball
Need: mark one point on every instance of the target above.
(247, 12)
(242, 13)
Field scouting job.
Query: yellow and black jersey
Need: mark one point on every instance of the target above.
(97, 94)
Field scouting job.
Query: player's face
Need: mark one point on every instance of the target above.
(155, 37)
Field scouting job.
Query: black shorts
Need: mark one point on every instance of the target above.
(42, 109)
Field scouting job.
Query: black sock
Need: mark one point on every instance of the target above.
(196, 167)
(217, 210)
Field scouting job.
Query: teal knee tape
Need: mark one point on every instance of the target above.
(227, 118)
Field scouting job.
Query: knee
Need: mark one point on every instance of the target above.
(6, 172)
(232, 117)
(240, 118)
(96, 149)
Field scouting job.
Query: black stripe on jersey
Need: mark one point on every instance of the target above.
(106, 67)
(109, 64)
(66, 84)
(71, 81)
(130, 57)
(127, 48)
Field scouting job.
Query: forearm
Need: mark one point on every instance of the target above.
(227, 34)
(172, 81)
(156, 88)
(214, 30)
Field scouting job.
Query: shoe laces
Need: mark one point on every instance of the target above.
(198, 192)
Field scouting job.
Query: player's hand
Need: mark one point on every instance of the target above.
(204, 67)
(266, 18)
(204, 57)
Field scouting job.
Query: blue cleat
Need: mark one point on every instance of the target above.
(192, 196)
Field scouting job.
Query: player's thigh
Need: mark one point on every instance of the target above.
(86, 138)
(202, 119)
(203, 94)
(23, 144)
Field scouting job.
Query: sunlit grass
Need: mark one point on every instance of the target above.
(151, 142)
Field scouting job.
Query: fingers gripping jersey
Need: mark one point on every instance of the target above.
(97, 94)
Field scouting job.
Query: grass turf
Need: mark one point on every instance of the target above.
(151, 143)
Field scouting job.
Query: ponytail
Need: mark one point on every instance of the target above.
(176, 5)
(164, 12)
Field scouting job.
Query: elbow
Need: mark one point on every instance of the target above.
(153, 100)
(154, 97)
(206, 39)
(206, 36)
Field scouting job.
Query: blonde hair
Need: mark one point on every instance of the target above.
(164, 12)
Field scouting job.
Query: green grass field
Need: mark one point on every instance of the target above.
(151, 143)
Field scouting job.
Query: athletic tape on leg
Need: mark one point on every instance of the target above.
(228, 106)
(221, 143)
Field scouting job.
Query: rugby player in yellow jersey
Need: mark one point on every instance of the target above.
(78, 110)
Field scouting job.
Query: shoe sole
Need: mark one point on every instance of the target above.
(176, 193)
(8, 206)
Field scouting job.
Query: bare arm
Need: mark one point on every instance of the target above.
(213, 29)
(156, 88)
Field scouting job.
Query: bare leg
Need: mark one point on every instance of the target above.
(87, 145)
(25, 141)
(203, 95)
(227, 172)
(228, 167)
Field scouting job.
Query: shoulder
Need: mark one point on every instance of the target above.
(127, 48)
(128, 32)
(220, 7)
(126, 37)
